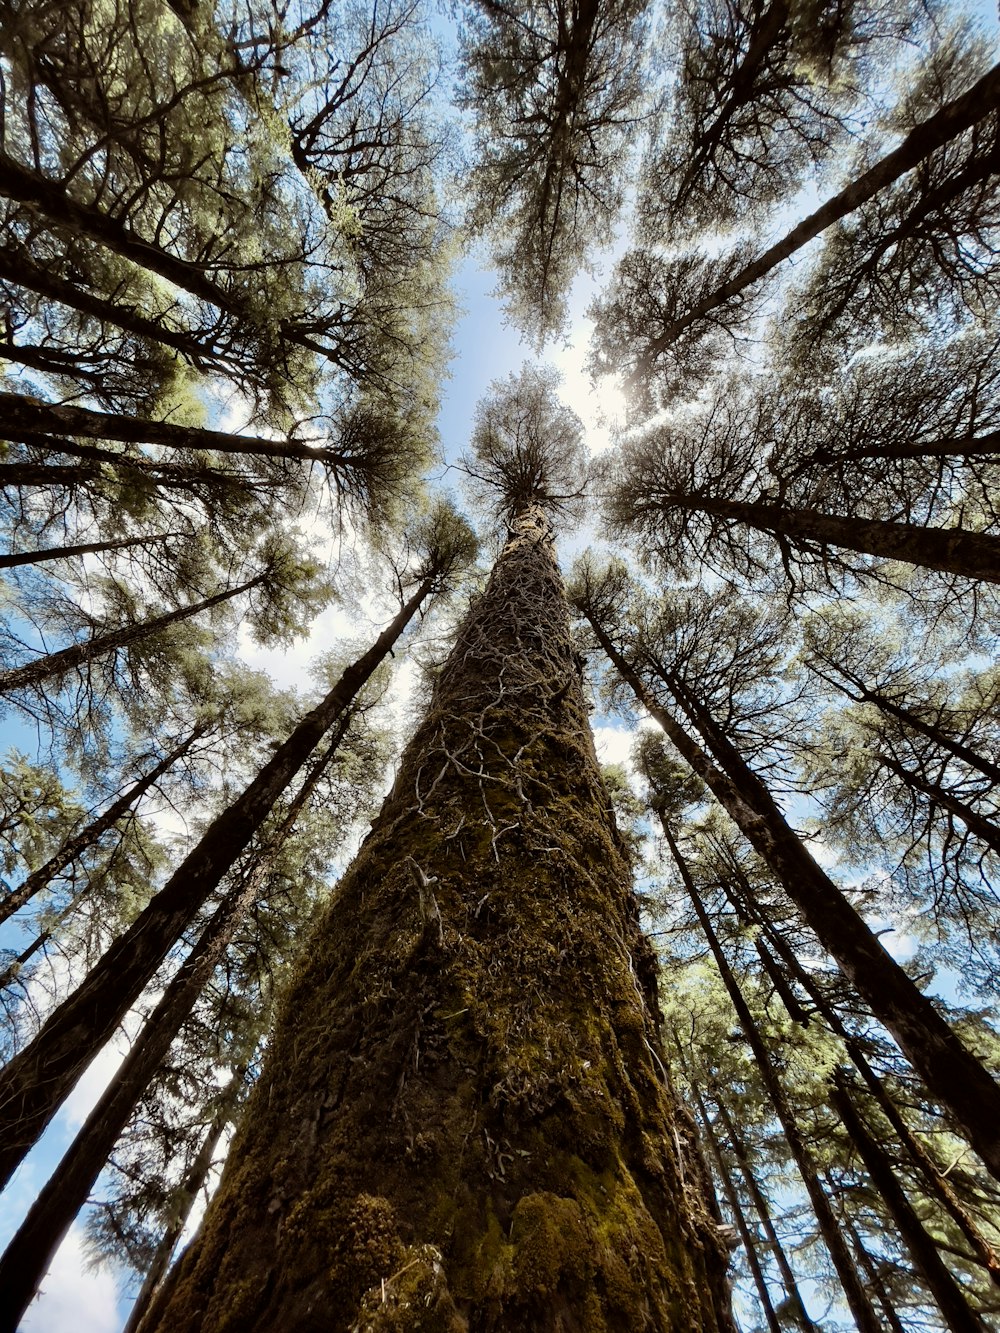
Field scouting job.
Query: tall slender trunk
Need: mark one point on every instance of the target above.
(17, 267)
(27, 1258)
(43, 669)
(950, 1299)
(183, 1202)
(463, 1111)
(860, 1306)
(978, 825)
(938, 1185)
(736, 1208)
(742, 1154)
(986, 445)
(950, 1072)
(973, 555)
(27, 419)
(909, 719)
(876, 1282)
(923, 140)
(74, 846)
(36, 1081)
(82, 548)
(52, 200)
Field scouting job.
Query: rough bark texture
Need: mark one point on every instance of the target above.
(464, 1124)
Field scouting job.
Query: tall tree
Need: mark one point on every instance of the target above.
(37, 1080)
(492, 994)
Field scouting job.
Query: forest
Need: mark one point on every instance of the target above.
(343, 987)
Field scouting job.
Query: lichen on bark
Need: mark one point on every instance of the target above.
(464, 1123)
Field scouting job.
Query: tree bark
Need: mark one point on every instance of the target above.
(950, 1072)
(973, 555)
(764, 1213)
(736, 1208)
(26, 419)
(73, 847)
(36, 1081)
(857, 1299)
(464, 1118)
(27, 1258)
(923, 140)
(955, 1309)
(12, 561)
(938, 1185)
(101, 645)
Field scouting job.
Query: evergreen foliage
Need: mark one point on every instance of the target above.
(491, 1087)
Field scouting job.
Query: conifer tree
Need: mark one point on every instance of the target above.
(469, 1046)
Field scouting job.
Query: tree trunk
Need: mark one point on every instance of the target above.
(950, 1072)
(958, 1314)
(764, 1213)
(51, 200)
(27, 419)
(36, 1081)
(973, 555)
(909, 719)
(736, 1208)
(978, 825)
(17, 267)
(463, 1112)
(875, 1281)
(84, 548)
(986, 445)
(101, 645)
(923, 140)
(860, 1306)
(938, 1185)
(29, 1254)
(73, 847)
(184, 1202)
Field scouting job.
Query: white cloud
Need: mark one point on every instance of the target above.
(73, 1299)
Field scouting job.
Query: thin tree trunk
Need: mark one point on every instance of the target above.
(978, 825)
(184, 1202)
(938, 1185)
(764, 1213)
(84, 548)
(27, 1258)
(45, 474)
(51, 199)
(19, 268)
(950, 1072)
(73, 847)
(973, 555)
(955, 1309)
(860, 1307)
(101, 645)
(875, 1283)
(26, 418)
(910, 719)
(35, 1082)
(923, 140)
(986, 445)
(735, 1207)
(463, 1109)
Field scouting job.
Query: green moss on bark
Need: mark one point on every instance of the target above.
(464, 1122)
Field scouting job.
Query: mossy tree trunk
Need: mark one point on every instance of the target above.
(464, 1123)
